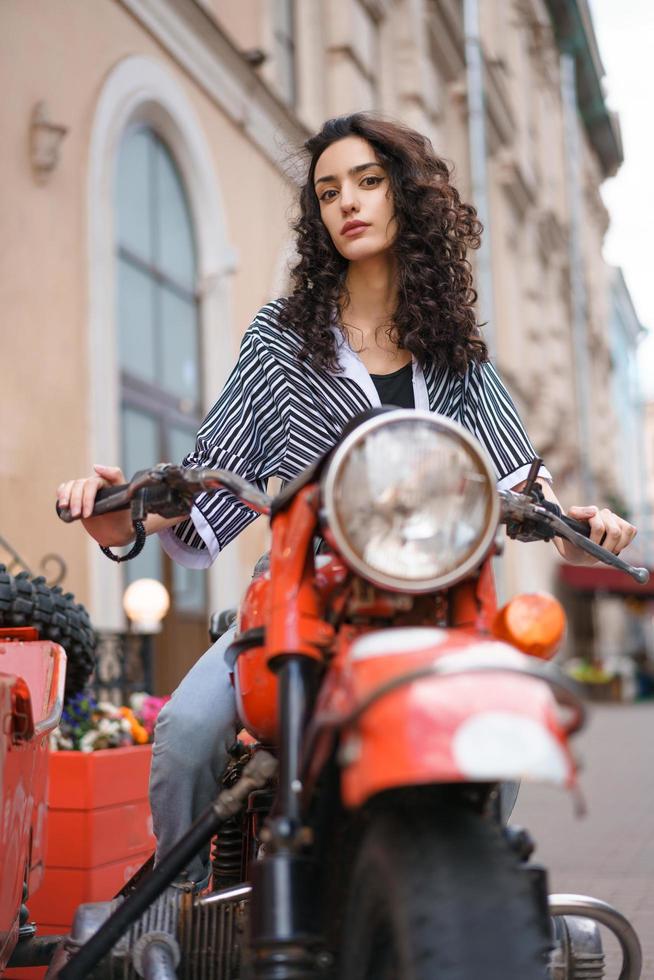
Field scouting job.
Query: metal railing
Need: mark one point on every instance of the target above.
(14, 564)
(123, 666)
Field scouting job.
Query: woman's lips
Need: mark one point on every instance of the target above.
(351, 232)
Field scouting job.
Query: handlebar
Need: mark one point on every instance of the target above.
(170, 491)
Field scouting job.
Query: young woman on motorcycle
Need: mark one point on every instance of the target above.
(382, 311)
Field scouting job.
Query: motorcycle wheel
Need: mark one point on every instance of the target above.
(440, 896)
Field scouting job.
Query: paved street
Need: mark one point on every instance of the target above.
(610, 853)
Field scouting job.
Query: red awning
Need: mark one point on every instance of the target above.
(601, 578)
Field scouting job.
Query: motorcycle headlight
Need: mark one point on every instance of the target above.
(410, 500)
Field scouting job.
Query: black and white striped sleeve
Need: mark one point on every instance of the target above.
(244, 432)
(489, 413)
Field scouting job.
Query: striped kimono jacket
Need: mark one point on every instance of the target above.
(276, 414)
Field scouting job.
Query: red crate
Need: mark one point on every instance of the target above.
(89, 780)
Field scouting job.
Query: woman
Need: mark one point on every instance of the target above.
(381, 312)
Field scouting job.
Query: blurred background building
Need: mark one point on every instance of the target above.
(148, 185)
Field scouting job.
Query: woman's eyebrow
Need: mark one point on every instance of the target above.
(351, 171)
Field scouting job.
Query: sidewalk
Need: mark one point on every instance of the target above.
(610, 853)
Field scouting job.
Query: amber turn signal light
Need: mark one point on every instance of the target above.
(534, 623)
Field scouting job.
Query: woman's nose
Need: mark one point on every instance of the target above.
(349, 200)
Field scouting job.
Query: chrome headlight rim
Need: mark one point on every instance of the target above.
(356, 563)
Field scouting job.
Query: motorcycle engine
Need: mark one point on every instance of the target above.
(205, 935)
(207, 939)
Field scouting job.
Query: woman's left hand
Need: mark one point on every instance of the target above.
(606, 528)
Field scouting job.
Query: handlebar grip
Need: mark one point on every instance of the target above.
(104, 503)
(581, 527)
(105, 494)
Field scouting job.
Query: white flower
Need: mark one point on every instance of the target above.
(136, 701)
(87, 742)
(108, 709)
(59, 741)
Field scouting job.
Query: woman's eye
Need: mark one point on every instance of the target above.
(370, 181)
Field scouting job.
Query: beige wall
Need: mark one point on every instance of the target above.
(244, 22)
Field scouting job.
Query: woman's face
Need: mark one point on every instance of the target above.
(356, 204)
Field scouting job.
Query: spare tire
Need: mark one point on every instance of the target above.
(30, 601)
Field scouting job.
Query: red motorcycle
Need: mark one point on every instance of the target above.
(388, 702)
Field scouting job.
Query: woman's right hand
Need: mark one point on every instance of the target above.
(79, 497)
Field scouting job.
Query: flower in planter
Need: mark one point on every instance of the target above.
(147, 707)
(138, 732)
(76, 722)
(587, 671)
(88, 725)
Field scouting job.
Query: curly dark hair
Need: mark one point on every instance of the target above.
(434, 317)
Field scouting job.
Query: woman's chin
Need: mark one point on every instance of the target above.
(363, 251)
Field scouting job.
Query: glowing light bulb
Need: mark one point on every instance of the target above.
(146, 602)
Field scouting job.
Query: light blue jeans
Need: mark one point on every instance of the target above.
(193, 733)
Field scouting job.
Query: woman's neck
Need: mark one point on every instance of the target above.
(367, 314)
(372, 292)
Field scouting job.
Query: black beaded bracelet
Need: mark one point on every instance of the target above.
(136, 549)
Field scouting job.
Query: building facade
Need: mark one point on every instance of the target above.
(148, 184)
(648, 460)
(625, 333)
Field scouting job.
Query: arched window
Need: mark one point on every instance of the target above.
(158, 331)
(284, 49)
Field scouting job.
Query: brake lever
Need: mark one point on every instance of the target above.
(521, 513)
(640, 575)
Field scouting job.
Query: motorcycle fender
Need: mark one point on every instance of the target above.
(449, 729)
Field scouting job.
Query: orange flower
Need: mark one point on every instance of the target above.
(139, 733)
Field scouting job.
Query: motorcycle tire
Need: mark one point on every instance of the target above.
(440, 896)
(30, 601)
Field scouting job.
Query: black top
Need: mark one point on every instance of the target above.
(396, 388)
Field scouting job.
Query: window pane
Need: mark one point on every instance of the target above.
(136, 341)
(179, 347)
(133, 212)
(284, 48)
(189, 589)
(140, 440)
(189, 584)
(141, 449)
(175, 248)
(180, 443)
(157, 328)
(284, 18)
(146, 565)
(286, 72)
